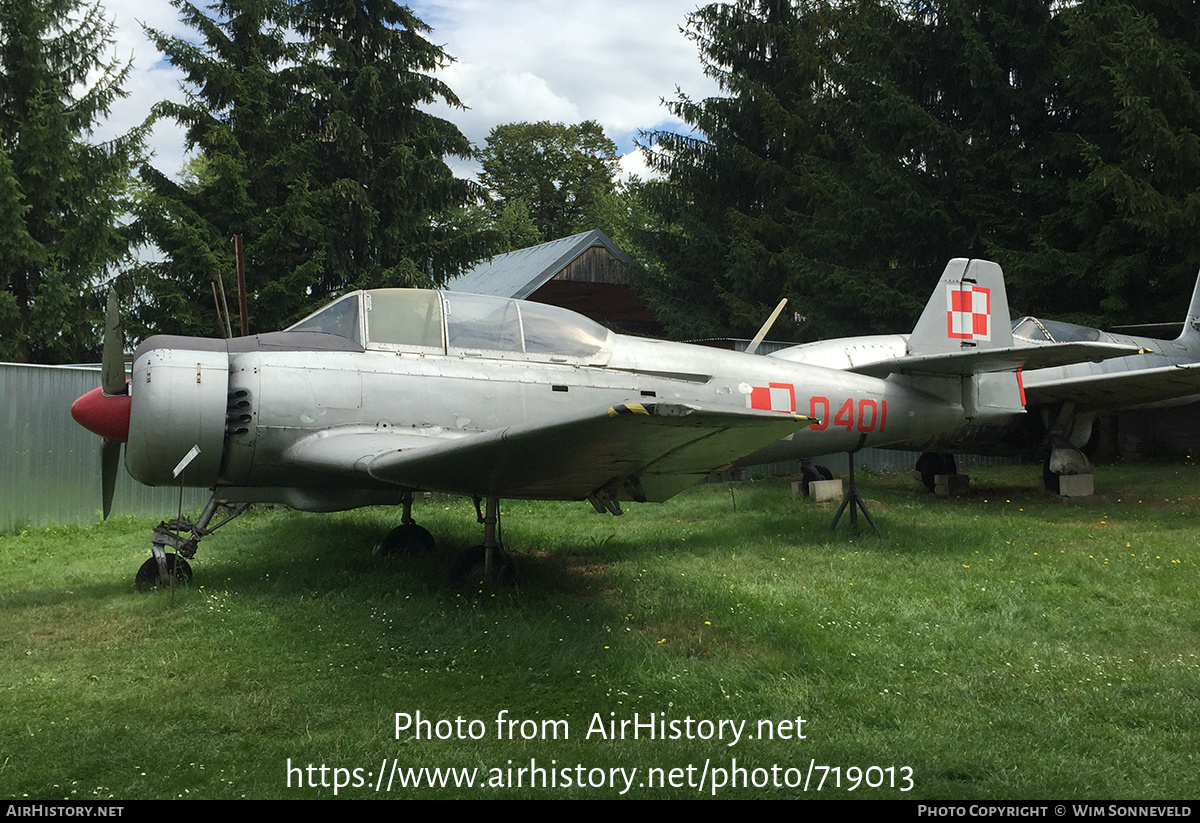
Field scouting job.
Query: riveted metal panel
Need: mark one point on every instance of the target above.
(180, 399)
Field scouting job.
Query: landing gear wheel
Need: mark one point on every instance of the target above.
(177, 567)
(1049, 478)
(469, 567)
(812, 473)
(931, 464)
(808, 475)
(406, 540)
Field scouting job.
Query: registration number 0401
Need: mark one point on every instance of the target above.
(865, 415)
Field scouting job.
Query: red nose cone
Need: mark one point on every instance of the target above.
(105, 415)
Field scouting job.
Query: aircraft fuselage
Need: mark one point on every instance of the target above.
(249, 403)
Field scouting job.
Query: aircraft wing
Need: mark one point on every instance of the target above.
(651, 450)
(1118, 390)
(1009, 358)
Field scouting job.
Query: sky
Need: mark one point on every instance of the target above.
(612, 61)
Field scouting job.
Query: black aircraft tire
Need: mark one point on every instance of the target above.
(931, 464)
(812, 473)
(468, 568)
(405, 540)
(177, 567)
(808, 474)
(1049, 478)
(926, 465)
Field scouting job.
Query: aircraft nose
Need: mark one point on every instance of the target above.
(102, 414)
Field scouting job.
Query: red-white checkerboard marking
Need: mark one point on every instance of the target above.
(779, 397)
(968, 312)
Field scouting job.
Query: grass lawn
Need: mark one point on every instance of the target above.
(1003, 645)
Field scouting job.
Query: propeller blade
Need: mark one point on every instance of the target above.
(110, 461)
(112, 364)
(766, 327)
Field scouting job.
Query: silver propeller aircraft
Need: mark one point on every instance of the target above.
(386, 392)
(1062, 401)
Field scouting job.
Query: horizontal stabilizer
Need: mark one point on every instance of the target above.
(1010, 358)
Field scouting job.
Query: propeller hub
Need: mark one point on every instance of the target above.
(104, 414)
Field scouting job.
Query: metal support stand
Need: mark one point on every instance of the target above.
(853, 499)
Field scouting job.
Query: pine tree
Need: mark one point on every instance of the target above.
(858, 146)
(1127, 230)
(378, 159)
(243, 117)
(61, 194)
(316, 150)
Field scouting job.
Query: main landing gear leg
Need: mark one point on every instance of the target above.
(853, 499)
(163, 569)
(488, 561)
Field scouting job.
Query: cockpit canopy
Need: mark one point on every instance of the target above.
(457, 323)
(1053, 331)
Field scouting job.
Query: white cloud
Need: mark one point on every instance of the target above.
(633, 164)
(612, 62)
(519, 60)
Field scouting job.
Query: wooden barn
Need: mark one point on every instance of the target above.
(586, 272)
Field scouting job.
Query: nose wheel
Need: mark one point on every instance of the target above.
(150, 576)
(181, 534)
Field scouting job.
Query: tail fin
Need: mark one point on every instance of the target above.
(967, 311)
(1191, 323)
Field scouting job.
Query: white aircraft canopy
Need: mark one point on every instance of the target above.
(1053, 331)
(448, 321)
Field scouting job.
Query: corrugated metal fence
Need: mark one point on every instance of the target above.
(885, 460)
(50, 466)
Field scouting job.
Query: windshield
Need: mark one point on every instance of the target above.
(340, 318)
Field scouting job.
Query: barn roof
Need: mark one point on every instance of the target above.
(520, 273)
